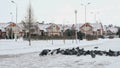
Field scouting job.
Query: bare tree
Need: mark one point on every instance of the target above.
(29, 24)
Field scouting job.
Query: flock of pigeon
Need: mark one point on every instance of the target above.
(79, 52)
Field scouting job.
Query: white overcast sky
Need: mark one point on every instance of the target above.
(62, 11)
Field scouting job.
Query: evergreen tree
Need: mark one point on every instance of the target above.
(80, 35)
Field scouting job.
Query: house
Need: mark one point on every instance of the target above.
(53, 29)
(49, 29)
(2, 34)
(42, 29)
(3, 30)
(92, 28)
(10, 27)
(111, 30)
(14, 29)
(97, 28)
(87, 28)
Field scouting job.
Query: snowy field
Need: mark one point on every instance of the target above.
(20, 55)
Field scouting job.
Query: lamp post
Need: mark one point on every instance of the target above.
(85, 6)
(16, 18)
(76, 25)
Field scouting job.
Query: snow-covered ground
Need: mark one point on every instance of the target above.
(20, 55)
(21, 46)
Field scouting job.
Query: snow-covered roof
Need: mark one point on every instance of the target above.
(96, 26)
(3, 26)
(19, 27)
(113, 29)
(43, 26)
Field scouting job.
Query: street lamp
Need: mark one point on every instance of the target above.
(85, 6)
(76, 25)
(16, 17)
